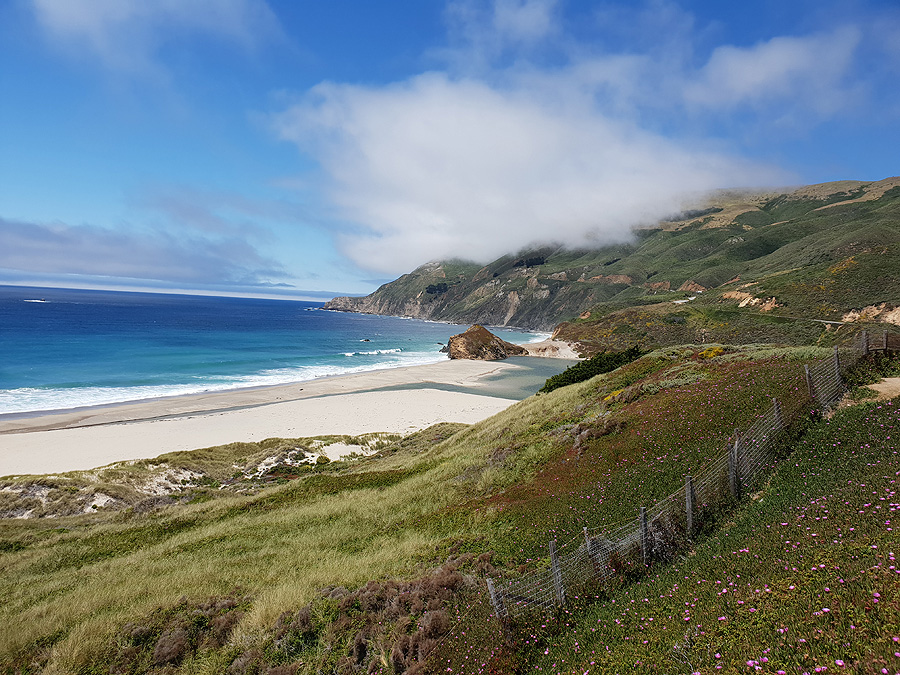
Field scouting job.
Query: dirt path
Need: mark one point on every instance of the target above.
(889, 387)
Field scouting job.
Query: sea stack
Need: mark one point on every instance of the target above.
(479, 343)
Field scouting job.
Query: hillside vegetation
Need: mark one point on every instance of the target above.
(804, 578)
(377, 565)
(742, 269)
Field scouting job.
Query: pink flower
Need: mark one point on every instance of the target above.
(838, 662)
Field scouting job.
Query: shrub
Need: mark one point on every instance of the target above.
(603, 362)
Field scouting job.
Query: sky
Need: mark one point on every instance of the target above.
(307, 149)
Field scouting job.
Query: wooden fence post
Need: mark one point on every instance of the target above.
(809, 383)
(556, 573)
(837, 366)
(884, 340)
(590, 546)
(689, 499)
(734, 477)
(779, 418)
(645, 536)
(497, 601)
(865, 343)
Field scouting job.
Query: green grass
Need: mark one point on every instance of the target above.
(451, 501)
(818, 263)
(809, 567)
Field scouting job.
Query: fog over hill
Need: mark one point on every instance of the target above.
(815, 252)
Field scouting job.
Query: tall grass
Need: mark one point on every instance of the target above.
(504, 486)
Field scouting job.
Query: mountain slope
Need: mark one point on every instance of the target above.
(821, 251)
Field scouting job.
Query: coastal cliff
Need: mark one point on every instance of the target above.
(511, 291)
(743, 267)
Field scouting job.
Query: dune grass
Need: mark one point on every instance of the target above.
(499, 488)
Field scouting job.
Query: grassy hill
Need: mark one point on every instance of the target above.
(804, 577)
(377, 565)
(744, 268)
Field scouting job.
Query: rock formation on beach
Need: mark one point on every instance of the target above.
(479, 343)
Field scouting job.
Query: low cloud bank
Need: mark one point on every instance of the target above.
(438, 167)
(534, 131)
(59, 248)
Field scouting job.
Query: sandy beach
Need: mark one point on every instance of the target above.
(398, 400)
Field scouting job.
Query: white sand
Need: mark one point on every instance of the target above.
(555, 349)
(91, 437)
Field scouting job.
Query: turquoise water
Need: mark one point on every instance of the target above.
(71, 348)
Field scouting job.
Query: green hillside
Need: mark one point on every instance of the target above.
(259, 558)
(804, 578)
(377, 565)
(819, 252)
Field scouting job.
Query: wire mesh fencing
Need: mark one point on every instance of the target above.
(661, 529)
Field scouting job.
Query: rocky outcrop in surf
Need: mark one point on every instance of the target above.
(479, 343)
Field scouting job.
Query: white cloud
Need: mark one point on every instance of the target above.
(59, 248)
(500, 150)
(524, 20)
(127, 34)
(219, 212)
(810, 69)
(436, 167)
(484, 31)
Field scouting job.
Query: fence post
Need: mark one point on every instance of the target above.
(734, 478)
(689, 498)
(497, 601)
(865, 343)
(779, 418)
(645, 536)
(556, 572)
(884, 340)
(809, 383)
(590, 546)
(837, 366)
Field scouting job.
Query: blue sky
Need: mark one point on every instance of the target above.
(307, 149)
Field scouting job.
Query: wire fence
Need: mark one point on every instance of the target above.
(661, 529)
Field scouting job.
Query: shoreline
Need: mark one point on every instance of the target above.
(240, 398)
(205, 401)
(396, 400)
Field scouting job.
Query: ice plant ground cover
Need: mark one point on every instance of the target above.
(344, 567)
(805, 578)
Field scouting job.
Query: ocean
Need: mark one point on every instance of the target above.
(62, 348)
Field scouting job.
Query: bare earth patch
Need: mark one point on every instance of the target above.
(558, 349)
(882, 312)
(889, 387)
